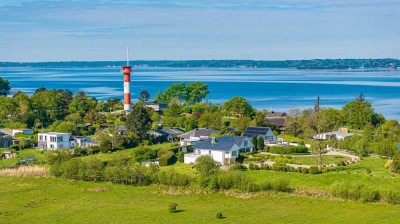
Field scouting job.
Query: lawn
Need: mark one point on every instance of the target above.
(48, 200)
(313, 160)
(379, 178)
(22, 153)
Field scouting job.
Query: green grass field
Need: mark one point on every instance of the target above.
(22, 153)
(379, 178)
(47, 200)
(312, 160)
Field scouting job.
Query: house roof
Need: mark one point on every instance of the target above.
(275, 114)
(222, 143)
(198, 132)
(173, 131)
(255, 131)
(278, 121)
(121, 128)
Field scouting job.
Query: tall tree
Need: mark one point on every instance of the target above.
(144, 95)
(4, 86)
(196, 92)
(139, 121)
(239, 106)
(358, 113)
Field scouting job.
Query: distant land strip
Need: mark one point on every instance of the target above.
(387, 63)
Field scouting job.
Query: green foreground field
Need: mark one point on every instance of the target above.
(47, 200)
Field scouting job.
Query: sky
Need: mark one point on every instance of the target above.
(93, 30)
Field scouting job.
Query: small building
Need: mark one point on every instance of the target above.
(7, 154)
(54, 141)
(81, 141)
(25, 131)
(157, 107)
(121, 129)
(277, 119)
(223, 150)
(195, 135)
(265, 132)
(170, 134)
(5, 140)
(338, 135)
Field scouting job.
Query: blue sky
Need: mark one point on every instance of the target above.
(188, 29)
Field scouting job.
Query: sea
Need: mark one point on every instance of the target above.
(273, 89)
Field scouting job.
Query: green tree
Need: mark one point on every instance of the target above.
(144, 95)
(4, 86)
(173, 110)
(139, 121)
(65, 127)
(211, 120)
(358, 113)
(177, 90)
(81, 103)
(196, 92)
(260, 143)
(239, 106)
(241, 123)
(260, 120)
(254, 141)
(206, 166)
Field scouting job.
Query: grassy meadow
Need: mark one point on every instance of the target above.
(48, 200)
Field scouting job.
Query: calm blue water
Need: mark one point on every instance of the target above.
(265, 88)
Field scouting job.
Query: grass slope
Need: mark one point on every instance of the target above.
(46, 200)
(22, 153)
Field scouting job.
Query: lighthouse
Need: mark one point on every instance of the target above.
(126, 70)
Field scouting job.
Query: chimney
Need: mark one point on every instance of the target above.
(213, 140)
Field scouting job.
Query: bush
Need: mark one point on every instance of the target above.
(265, 167)
(280, 184)
(282, 167)
(288, 150)
(168, 158)
(172, 207)
(181, 157)
(314, 170)
(392, 197)
(239, 167)
(266, 186)
(369, 195)
(173, 178)
(253, 166)
(219, 215)
(206, 165)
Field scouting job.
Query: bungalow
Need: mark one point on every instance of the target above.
(170, 134)
(81, 141)
(5, 140)
(277, 119)
(157, 107)
(223, 150)
(54, 141)
(25, 131)
(195, 135)
(265, 132)
(339, 135)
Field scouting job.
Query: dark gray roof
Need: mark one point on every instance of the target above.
(275, 114)
(173, 131)
(255, 131)
(222, 143)
(198, 132)
(278, 121)
(121, 128)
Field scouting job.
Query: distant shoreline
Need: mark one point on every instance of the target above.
(341, 64)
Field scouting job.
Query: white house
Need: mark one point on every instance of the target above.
(81, 141)
(339, 135)
(223, 150)
(195, 135)
(265, 132)
(54, 141)
(25, 131)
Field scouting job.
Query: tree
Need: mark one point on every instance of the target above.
(239, 106)
(81, 103)
(139, 121)
(293, 125)
(144, 96)
(177, 90)
(260, 143)
(196, 92)
(260, 120)
(4, 86)
(65, 127)
(358, 113)
(211, 120)
(241, 123)
(254, 141)
(206, 166)
(173, 110)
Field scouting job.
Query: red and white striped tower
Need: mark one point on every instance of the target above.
(127, 80)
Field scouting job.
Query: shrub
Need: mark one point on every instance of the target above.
(253, 167)
(266, 186)
(173, 178)
(368, 170)
(314, 170)
(265, 167)
(238, 166)
(219, 215)
(369, 195)
(172, 207)
(206, 165)
(280, 184)
(282, 167)
(181, 157)
(347, 190)
(168, 158)
(392, 197)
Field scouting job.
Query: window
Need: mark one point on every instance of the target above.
(245, 143)
(234, 153)
(227, 152)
